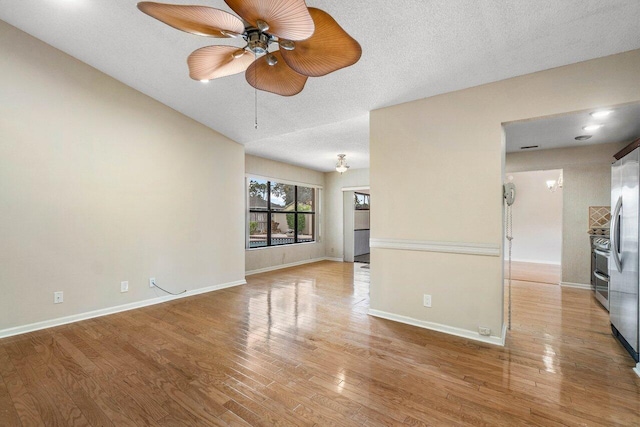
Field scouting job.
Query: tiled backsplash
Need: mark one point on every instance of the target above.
(599, 216)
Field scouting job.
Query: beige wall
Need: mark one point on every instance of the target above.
(100, 184)
(266, 258)
(443, 157)
(334, 207)
(587, 182)
(537, 217)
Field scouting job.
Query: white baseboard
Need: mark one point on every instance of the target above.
(504, 334)
(4, 333)
(291, 264)
(533, 261)
(575, 285)
(637, 369)
(464, 333)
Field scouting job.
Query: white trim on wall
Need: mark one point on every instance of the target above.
(534, 261)
(4, 333)
(291, 264)
(575, 285)
(464, 248)
(464, 333)
(362, 187)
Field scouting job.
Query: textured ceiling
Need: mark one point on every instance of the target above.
(411, 49)
(622, 125)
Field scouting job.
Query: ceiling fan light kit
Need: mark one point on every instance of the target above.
(310, 42)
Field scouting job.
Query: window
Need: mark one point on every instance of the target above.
(362, 201)
(280, 214)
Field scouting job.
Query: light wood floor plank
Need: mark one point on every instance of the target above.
(296, 347)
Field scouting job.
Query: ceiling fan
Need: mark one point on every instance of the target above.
(310, 41)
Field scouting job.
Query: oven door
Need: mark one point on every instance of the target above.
(601, 277)
(602, 261)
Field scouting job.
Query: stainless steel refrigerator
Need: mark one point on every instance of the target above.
(623, 270)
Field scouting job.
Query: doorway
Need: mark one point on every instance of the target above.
(356, 227)
(361, 225)
(537, 226)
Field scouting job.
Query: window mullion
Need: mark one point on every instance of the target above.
(268, 213)
(295, 214)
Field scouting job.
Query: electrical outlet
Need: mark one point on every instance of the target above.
(58, 297)
(124, 286)
(484, 331)
(152, 282)
(427, 300)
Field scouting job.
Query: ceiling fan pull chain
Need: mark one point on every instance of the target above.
(255, 90)
(256, 99)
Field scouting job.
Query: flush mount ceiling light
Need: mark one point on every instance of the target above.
(592, 127)
(583, 137)
(310, 41)
(342, 165)
(600, 114)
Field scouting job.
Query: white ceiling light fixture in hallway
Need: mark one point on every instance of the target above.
(342, 165)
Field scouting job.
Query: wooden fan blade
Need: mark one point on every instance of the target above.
(330, 48)
(199, 20)
(278, 78)
(212, 62)
(287, 19)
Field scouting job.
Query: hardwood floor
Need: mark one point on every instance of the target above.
(534, 272)
(295, 347)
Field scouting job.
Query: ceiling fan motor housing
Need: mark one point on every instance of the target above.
(258, 41)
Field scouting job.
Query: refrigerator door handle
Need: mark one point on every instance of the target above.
(615, 232)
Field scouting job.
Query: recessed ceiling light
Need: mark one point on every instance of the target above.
(603, 113)
(592, 127)
(583, 137)
(204, 81)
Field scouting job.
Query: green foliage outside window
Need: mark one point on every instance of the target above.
(302, 218)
